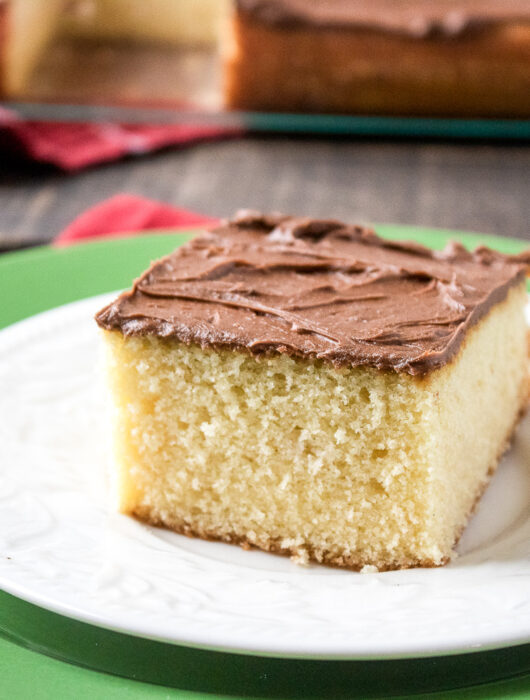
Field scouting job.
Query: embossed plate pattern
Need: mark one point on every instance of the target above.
(63, 547)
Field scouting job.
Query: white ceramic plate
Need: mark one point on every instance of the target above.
(63, 547)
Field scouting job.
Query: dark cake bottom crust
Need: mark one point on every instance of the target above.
(273, 546)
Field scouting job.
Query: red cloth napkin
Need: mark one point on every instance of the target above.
(125, 214)
(75, 146)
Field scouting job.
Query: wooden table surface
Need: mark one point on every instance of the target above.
(481, 187)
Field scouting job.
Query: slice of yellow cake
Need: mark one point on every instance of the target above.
(311, 389)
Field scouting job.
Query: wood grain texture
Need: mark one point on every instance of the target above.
(479, 187)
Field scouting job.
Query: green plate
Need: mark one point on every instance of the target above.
(40, 279)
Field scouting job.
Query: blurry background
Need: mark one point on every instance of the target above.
(478, 187)
(69, 58)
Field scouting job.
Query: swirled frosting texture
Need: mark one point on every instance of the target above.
(420, 18)
(316, 289)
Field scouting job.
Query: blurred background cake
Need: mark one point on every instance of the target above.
(419, 57)
(448, 58)
(53, 48)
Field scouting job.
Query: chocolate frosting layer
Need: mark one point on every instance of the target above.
(418, 18)
(317, 289)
